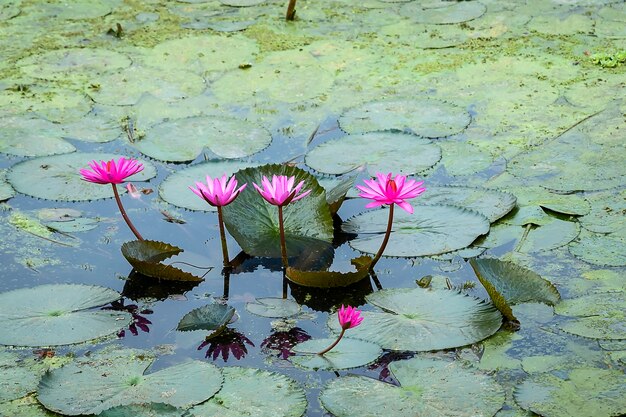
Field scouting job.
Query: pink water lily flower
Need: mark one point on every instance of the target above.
(386, 190)
(349, 317)
(111, 172)
(218, 192)
(280, 191)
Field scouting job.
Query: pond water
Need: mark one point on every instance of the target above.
(511, 112)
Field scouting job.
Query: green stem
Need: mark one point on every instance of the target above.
(226, 275)
(220, 220)
(385, 240)
(124, 215)
(334, 343)
(283, 244)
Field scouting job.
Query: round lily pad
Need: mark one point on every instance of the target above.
(184, 139)
(378, 151)
(254, 392)
(77, 10)
(209, 317)
(430, 230)
(598, 249)
(175, 188)
(50, 315)
(607, 212)
(598, 316)
(29, 136)
(428, 118)
(94, 384)
(583, 392)
(462, 158)
(53, 103)
(424, 36)
(9, 10)
(17, 380)
(443, 12)
(347, 354)
(273, 307)
(62, 63)
(428, 387)
(417, 319)
(241, 3)
(146, 410)
(561, 203)
(57, 177)
(6, 191)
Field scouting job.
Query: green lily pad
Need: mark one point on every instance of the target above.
(598, 249)
(273, 307)
(253, 222)
(6, 191)
(53, 103)
(427, 118)
(17, 380)
(561, 203)
(175, 188)
(331, 279)
(10, 10)
(94, 384)
(347, 354)
(379, 151)
(147, 410)
(430, 230)
(146, 256)
(424, 36)
(558, 24)
(57, 177)
(492, 204)
(584, 392)
(61, 63)
(428, 387)
(254, 392)
(421, 320)
(462, 158)
(78, 10)
(442, 12)
(25, 407)
(51, 315)
(210, 317)
(598, 316)
(607, 212)
(29, 136)
(81, 224)
(242, 3)
(184, 139)
(338, 192)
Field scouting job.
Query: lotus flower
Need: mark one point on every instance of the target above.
(389, 191)
(280, 191)
(110, 172)
(218, 192)
(348, 317)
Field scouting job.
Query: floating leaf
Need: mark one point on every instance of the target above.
(273, 307)
(377, 150)
(331, 279)
(6, 191)
(254, 392)
(175, 188)
(561, 203)
(184, 139)
(598, 249)
(430, 230)
(146, 256)
(29, 136)
(462, 158)
(93, 384)
(598, 316)
(77, 10)
(427, 118)
(51, 315)
(336, 194)
(347, 354)
(253, 222)
(607, 212)
(493, 204)
(443, 13)
(146, 410)
(57, 177)
(421, 320)
(425, 390)
(53, 103)
(584, 392)
(211, 317)
(17, 380)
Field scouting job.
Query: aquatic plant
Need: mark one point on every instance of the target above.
(388, 191)
(219, 192)
(113, 173)
(348, 317)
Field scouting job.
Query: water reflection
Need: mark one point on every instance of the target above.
(225, 343)
(139, 321)
(279, 343)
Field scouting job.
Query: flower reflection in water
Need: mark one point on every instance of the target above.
(139, 321)
(224, 343)
(282, 341)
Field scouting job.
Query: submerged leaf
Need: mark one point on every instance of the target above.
(331, 279)
(146, 256)
(211, 317)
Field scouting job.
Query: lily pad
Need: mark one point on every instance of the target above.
(443, 12)
(598, 249)
(254, 392)
(184, 139)
(347, 354)
(462, 158)
(94, 384)
(584, 392)
(77, 10)
(10, 10)
(253, 222)
(146, 256)
(174, 189)
(338, 192)
(51, 315)
(379, 151)
(598, 316)
(421, 320)
(57, 178)
(29, 136)
(273, 307)
(17, 380)
(430, 230)
(561, 203)
(146, 410)
(331, 279)
(427, 118)
(210, 317)
(6, 191)
(607, 212)
(55, 104)
(492, 204)
(425, 390)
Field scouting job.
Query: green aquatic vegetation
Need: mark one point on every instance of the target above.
(613, 60)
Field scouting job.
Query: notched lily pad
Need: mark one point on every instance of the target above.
(599, 249)
(493, 204)
(211, 317)
(30, 136)
(331, 279)
(63, 314)
(273, 307)
(17, 380)
(597, 316)
(443, 12)
(146, 256)
(349, 353)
